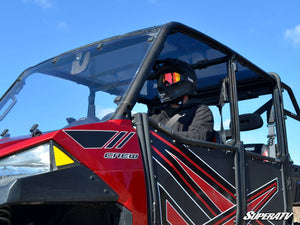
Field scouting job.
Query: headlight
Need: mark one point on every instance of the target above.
(40, 159)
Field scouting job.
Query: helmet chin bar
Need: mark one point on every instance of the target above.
(175, 92)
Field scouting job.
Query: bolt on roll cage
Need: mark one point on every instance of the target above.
(131, 96)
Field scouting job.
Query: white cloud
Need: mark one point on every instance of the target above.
(44, 4)
(293, 35)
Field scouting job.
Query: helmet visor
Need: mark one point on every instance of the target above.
(168, 79)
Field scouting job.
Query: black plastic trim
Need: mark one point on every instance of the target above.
(142, 127)
(75, 184)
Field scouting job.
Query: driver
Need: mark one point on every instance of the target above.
(176, 83)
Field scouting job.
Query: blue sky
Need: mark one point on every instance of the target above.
(265, 32)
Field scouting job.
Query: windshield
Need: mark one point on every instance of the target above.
(79, 87)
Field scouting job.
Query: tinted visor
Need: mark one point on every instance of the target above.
(169, 79)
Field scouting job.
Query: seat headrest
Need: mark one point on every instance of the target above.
(250, 121)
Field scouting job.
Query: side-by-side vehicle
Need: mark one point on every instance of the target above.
(77, 145)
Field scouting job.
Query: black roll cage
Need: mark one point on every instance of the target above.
(131, 96)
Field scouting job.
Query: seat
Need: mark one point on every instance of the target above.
(251, 121)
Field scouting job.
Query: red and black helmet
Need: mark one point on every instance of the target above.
(175, 79)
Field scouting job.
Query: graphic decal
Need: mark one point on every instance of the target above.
(99, 139)
(216, 197)
(125, 140)
(116, 138)
(202, 186)
(173, 216)
(114, 155)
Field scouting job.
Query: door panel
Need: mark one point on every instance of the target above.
(195, 185)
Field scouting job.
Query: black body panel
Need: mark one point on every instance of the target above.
(75, 184)
(194, 184)
(197, 185)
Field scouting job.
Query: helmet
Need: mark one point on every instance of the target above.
(175, 79)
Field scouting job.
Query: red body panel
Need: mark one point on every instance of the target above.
(15, 145)
(118, 162)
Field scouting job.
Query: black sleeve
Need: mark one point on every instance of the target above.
(201, 127)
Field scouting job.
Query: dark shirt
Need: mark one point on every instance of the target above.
(196, 121)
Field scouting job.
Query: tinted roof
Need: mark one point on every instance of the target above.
(196, 48)
(181, 42)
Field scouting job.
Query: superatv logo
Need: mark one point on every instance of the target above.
(267, 216)
(113, 155)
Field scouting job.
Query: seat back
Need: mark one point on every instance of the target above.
(250, 121)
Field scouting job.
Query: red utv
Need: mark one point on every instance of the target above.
(78, 148)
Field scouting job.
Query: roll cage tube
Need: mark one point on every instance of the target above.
(279, 115)
(282, 142)
(294, 102)
(231, 68)
(189, 141)
(292, 97)
(239, 158)
(131, 95)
